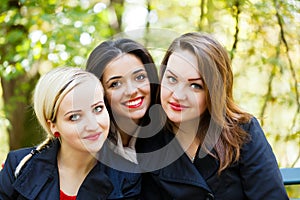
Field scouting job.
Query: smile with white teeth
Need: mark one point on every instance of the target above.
(134, 103)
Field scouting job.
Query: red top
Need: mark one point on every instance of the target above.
(63, 196)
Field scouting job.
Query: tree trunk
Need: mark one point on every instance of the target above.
(17, 86)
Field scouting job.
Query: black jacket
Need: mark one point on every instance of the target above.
(39, 178)
(256, 175)
(123, 174)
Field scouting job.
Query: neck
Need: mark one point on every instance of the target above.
(127, 128)
(186, 134)
(125, 138)
(73, 160)
(188, 128)
(73, 167)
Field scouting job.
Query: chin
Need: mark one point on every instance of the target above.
(175, 119)
(94, 150)
(138, 115)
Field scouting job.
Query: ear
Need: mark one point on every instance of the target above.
(52, 126)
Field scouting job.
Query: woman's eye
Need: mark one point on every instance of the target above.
(196, 86)
(98, 109)
(140, 77)
(171, 79)
(74, 117)
(115, 84)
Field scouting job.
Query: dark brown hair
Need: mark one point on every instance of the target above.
(107, 51)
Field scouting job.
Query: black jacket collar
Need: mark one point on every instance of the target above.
(177, 167)
(42, 169)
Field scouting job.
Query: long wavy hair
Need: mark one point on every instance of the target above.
(219, 126)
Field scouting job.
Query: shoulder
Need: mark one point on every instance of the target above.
(15, 156)
(257, 143)
(258, 165)
(255, 131)
(7, 177)
(252, 124)
(13, 159)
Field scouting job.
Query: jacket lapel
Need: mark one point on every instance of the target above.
(207, 166)
(42, 170)
(96, 185)
(182, 169)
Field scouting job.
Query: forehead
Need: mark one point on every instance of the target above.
(84, 93)
(183, 63)
(123, 64)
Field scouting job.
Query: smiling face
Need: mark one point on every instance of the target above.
(82, 119)
(127, 87)
(183, 97)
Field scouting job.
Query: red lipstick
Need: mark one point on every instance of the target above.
(134, 103)
(177, 106)
(93, 137)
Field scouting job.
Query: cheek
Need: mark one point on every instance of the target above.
(202, 104)
(103, 120)
(72, 134)
(106, 120)
(112, 97)
(164, 93)
(145, 88)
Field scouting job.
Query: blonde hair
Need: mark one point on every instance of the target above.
(48, 94)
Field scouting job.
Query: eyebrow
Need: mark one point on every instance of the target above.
(171, 73)
(195, 79)
(190, 79)
(72, 111)
(137, 71)
(112, 78)
(99, 102)
(76, 111)
(118, 77)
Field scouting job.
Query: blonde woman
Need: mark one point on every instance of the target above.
(69, 105)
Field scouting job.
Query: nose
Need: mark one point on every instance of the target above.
(179, 93)
(130, 88)
(91, 123)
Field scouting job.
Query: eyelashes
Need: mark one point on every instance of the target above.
(74, 117)
(141, 77)
(115, 84)
(77, 116)
(99, 109)
(197, 86)
(173, 80)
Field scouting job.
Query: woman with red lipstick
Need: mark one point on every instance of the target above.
(129, 77)
(221, 151)
(69, 105)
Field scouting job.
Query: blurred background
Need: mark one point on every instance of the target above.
(262, 39)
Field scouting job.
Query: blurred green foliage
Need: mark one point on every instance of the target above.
(262, 38)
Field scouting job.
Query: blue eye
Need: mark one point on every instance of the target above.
(115, 84)
(196, 86)
(74, 117)
(140, 77)
(98, 109)
(171, 79)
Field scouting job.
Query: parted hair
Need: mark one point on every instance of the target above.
(49, 91)
(222, 113)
